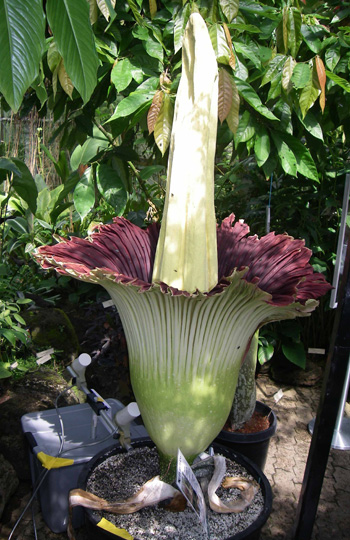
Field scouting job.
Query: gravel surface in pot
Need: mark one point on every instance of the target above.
(121, 475)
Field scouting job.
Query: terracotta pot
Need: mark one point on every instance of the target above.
(252, 445)
(95, 532)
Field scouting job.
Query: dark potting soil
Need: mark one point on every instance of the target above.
(121, 475)
(258, 422)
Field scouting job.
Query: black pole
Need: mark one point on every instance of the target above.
(335, 375)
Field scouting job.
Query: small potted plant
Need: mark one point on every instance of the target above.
(251, 423)
(190, 294)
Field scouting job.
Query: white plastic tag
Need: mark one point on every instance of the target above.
(279, 395)
(190, 488)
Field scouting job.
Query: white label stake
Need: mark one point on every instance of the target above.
(190, 488)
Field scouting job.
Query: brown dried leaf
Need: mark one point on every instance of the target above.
(154, 110)
(232, 60)
(225, 94)
(321, 75)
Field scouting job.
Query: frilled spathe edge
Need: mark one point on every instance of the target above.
(124, 253)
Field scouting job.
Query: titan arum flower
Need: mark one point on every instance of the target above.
(191, 294)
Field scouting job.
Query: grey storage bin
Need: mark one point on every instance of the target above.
(85, 434)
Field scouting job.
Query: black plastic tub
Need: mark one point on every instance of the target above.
(95, 532)
(252, 445)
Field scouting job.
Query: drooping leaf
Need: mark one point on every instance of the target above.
(85, 153)
(232, 118)
(220, 45)
(180, 22)
(122, 74)
(93, 11)
(107, 8)
(229, 8)
(153, 8)
(22, 43)
(84, 194)
(162, 128)
(321, 74)
(136, 12)
(340, 81)
(305, 164)
(309, 94)
(249, 51)
(111, 188)
(285, 154)
(301, 75)
(143, 95)
(311, 125)
(225, 94)
(232, 59)
(274, 68)
(8, 165)
(154, 110)
(70, 24)
(25, 185)
(245, 130)
(294, 36)
(250, 96)
(287, 73)
(64, 79)
(262, 146)
(295, 352)
(332, 57)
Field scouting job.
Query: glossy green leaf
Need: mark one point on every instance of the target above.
(22, 43)
(219, 42)
(262, 146)
(18, 224)
(301, 75)
(332, 57)
(311, 125)
(250, 51)
(84, 194)
(309, 94)
(287, 73)
(232, 118)
(136, 11)
(294, 36)
(70, 24)
(92, 146)
(340, 81)
(25, 185)
(111, 188)
(245, 130)
(122, 74)
(143, 95)
(295, 353)
(229, 8)
(285, 154)
(274, 68)
(250, 96)
(305, 164)
(265, 352)
(154, 48)
(9, 166)
(10, 336)
(180, 22)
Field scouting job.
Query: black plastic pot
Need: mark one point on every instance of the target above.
(252, 445)
(252, 532)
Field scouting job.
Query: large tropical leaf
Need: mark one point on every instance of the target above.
(111, 188)
(25, 185)
(22, 41)
(70, 24)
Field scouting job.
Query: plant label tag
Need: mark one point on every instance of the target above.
(316, 351)
(43, 359)
(14, 366)
(191, 490)
(279, 395)
(108, 303)
(45, 353)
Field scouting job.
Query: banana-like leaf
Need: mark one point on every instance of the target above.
(70, 24)
(22, 42)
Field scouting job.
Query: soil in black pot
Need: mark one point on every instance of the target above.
(121, 475)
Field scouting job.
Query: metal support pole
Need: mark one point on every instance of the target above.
(335, 375)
